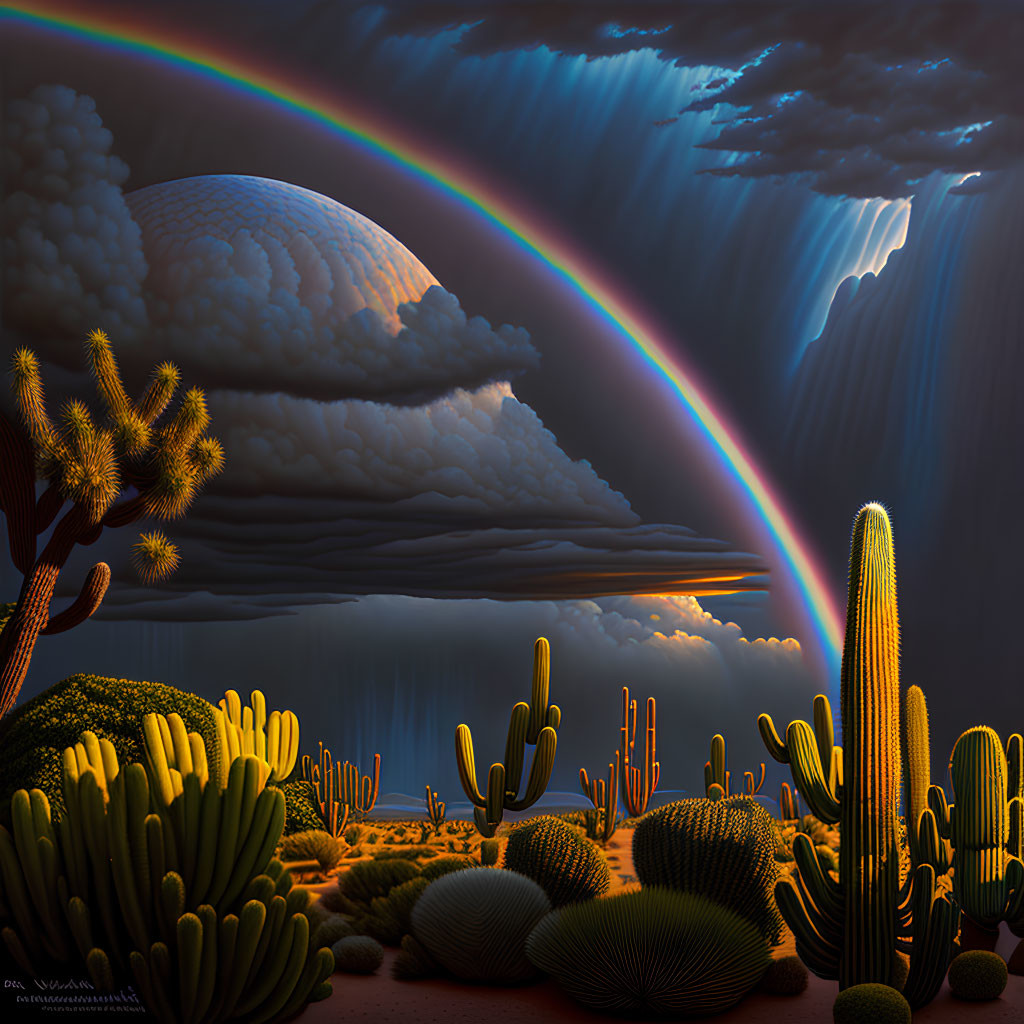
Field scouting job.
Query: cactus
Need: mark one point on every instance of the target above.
(534, 723)
(871, 1003)
(475, 924)
(789, 803)
(567, 867)
(637, 785)
(340, 789)
(435, 810)
(358, 954)
(717, 774)
(273, 739)
(602, 821)
(978, 975)
(850, 930)
(153, 875)
(988, 881)
(653, 953)
(723, 849)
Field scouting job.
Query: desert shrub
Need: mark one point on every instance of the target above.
(358, 954)
(300, 810)
(475, 923)
(363, 882)
(443, 865)
(656, 952)
(900, 970)
(314, 844)
(722, 849)
(33, 736)
(408, 853)
(330, 930)
(786, 976)
(978, 974)
(489, 852)
(353, 834)
(413, 962)
(567, 867)
(388, 917)
(871, 1003)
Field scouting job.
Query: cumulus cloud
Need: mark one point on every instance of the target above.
(72, 254)
(860, 99)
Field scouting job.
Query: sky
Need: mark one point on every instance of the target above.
(820, 208)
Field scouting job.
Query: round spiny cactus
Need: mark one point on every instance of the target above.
(358, 954)
(475, 924)
(652, 953)
(978, 975)
(871, 1003)
(552, 853)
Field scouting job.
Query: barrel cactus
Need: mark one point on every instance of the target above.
(358, 954)
(475, 923)
(871, 1003)
(978, 975)
(568, 867)
(652, 953)
(723, 849)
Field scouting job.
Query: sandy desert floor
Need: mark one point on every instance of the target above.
(379, 999)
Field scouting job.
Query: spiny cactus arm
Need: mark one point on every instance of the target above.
(822, 888)
(820, 955)
(515, 747)
(17, 494)
(802, 754)
(935, 921)
(483, 826)
(495, 801)
(89, 599)
(940, 809)
(931, 847)
(540, 689)
(159, 392)
(1014, 913)
(770, 736)
(714, 768)
(749, 786)
(540, 770)
(1015, 766)
(824, 729)
(467, 766)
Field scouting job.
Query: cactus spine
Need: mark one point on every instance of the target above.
(637, 785)
(534, 723)
(850, 930)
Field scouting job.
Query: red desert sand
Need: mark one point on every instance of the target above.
(380, 999)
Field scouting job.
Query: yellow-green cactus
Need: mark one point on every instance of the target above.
(273, 738)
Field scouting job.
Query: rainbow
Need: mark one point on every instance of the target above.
(600, 295)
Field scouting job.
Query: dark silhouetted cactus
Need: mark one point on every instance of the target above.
(786, 976)
(535, 724)
(653, 953)
(339, 789)
(435, 809)
(849, 930)
(567, 867)
(475, 924)
(723, 849)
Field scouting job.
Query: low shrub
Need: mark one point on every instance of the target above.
(978, 975)
(358, 954)
(871, 1003)
(330, 930)
(314, 844)
(444, 865)
(388, 917)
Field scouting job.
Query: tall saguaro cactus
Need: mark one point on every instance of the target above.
(637, 784)
(851, 930)
(534, 723)
(89, 465)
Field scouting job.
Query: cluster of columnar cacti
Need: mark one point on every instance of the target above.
(249, 730)
(717, 774)
(602, 821)
(789, 803)
(340, 789)
(435, 809)
(723, 849)
(638, 784)
(567, 867)
(535, 724)
(162, 875)
(851, 929)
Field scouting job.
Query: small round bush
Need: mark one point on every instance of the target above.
(900, 970)
(312, 844)
(358, 954)
(977, 975)
(370, 878)
(870, 1003)
(444, 865)
(567, 867)
(328, 932)
(652, 953)
(475, 923)
(786, 976)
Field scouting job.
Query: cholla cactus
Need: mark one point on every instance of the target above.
(89, 465)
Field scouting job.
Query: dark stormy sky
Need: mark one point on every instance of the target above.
(820, 204)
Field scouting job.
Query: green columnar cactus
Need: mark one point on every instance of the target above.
(273, 739)
(988, 881)
(534, 723)
(850, 930)
(637, 785)
(435, 809)
(164, 877)
(604, 819)
(717, 774)
(925, 843)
